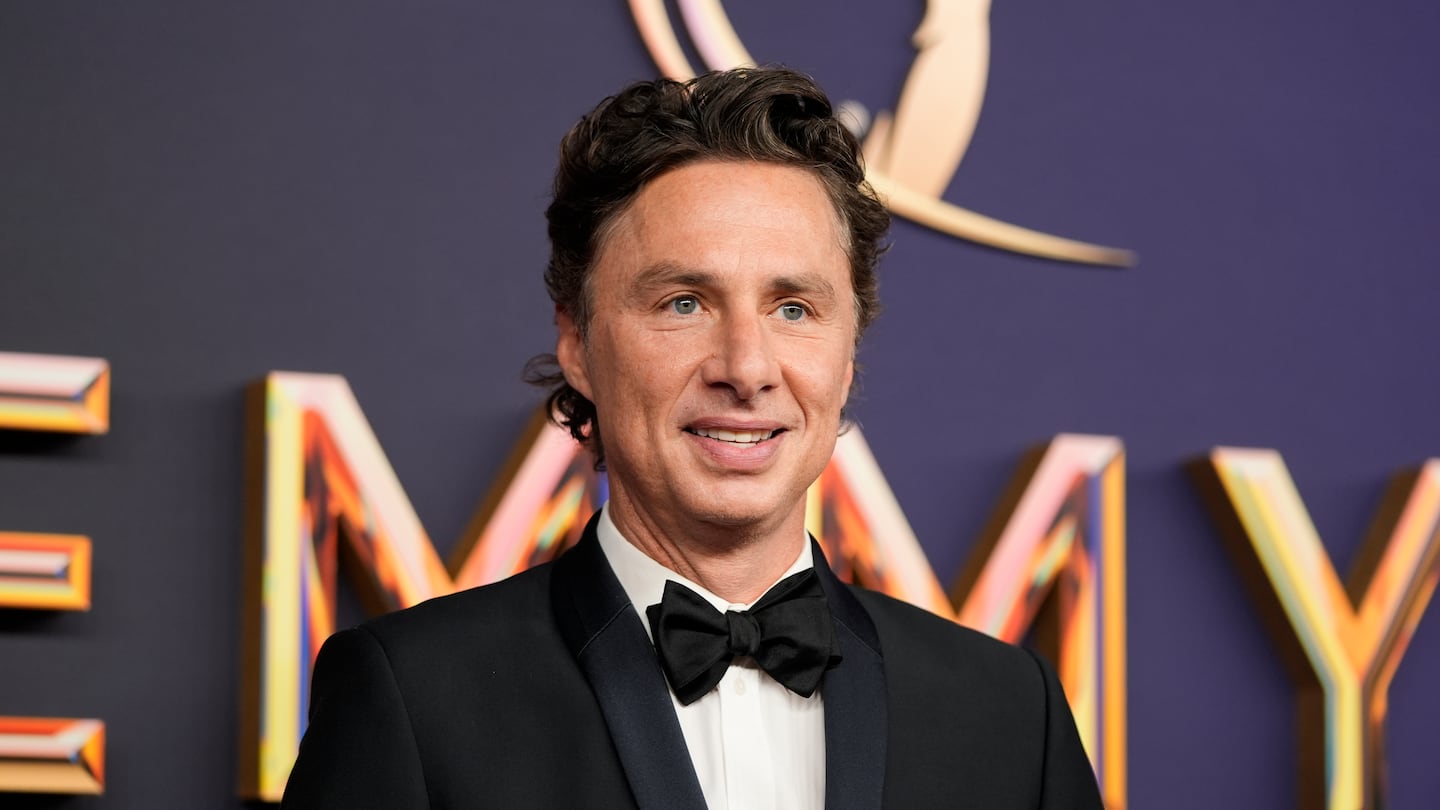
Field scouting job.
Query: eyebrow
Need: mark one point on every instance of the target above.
(812, 283)
(668, 274)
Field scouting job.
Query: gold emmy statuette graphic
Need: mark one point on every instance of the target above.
(913, 154)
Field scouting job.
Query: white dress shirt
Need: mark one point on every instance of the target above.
(755, 744)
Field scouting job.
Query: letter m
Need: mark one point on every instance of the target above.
(320, 490)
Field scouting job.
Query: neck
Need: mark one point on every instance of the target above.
(735, 562)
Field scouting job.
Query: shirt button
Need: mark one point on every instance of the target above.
(739, 686)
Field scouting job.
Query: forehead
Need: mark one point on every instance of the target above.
(727, 217)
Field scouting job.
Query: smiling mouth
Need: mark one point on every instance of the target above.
(750, 437)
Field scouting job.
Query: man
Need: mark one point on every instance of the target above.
(713, 267)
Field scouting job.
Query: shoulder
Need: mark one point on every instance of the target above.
(483, 617)
(968, 714)
(917, 644)
(474, 649)
(974, 716)
(905, 624)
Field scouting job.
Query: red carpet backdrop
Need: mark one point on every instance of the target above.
(1154, 388)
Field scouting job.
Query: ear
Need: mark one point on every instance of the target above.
(570, 350)
(849, 379)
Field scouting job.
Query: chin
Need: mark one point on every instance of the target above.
(732, 514)
(737, 512)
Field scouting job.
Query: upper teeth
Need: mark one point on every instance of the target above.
(741, 436)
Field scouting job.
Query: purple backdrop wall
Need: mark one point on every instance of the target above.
(202, 193)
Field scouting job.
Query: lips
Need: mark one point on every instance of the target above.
(745, 447)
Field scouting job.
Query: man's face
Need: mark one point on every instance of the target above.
(720, 344)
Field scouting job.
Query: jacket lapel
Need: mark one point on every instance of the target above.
(604, 634)
(855, 698)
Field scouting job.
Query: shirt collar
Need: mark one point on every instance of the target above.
(644, 579)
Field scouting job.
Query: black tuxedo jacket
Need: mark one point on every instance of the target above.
(543, 691)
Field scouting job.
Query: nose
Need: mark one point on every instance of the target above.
(743, 357)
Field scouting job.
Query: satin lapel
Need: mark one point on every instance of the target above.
(604, 634)
(855, 699)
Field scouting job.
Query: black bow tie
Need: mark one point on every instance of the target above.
(788, 632)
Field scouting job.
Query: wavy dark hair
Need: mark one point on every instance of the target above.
(767, 115)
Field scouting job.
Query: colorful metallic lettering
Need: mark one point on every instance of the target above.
(319, 484)
(1344, 642)
(44, 571)
(1053, 559)
(55, 394)
(51, 755)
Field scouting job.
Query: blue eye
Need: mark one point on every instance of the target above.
(685, 305)
(792, 312)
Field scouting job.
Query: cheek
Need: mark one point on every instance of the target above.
(643, 383)
(661, 363)
(823, 380)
